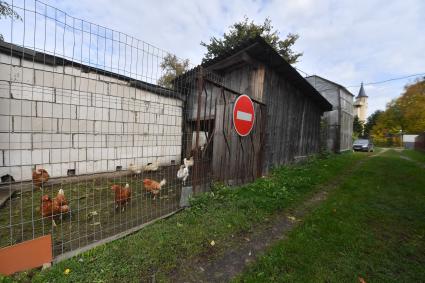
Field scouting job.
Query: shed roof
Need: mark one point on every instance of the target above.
(260, 50)
(331, 82)
(53, 60)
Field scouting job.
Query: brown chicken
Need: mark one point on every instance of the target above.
(122, 195)
(54, 208)
(153, 186)
(39, 177)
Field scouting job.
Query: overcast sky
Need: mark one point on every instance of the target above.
(345, 41)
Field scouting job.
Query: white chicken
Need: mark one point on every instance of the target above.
(188, 162)
(151, 167)
(135, 169)
(183, 173)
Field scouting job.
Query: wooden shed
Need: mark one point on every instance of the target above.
(338, 123)
(288, 112)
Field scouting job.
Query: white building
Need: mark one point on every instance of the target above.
(62, 115)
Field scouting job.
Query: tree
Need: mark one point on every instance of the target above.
(358, 127)
(173, 67)
(6, 11)
(405, 114)
(244, 30)
(371, 121)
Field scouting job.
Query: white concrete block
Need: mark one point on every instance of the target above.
(141, 94)
(15, 141)
(156, 108)
(17, 107)
(34, 124)
(100, 166)
(16, 74)
(132, 104)
(105, 127)
(122, 90)
(136, 128)
(59, 169)
(74, 97)
(127, 152)
(151, 97)
(99, 153)
(146, 118)
(53, 79)
(55, 110)
(112, 165)
(107, 101)
(49, 141)
(119, 140)
(92, 113)
(26, 157)
(145, 140)
(67, 155)
(75, 126)
(31, 92)
(84, 167)
(19, 173)
(6, 124)
(121, 115)
(5, 89)
(156, 129)
(39, 66)
(91, 85)
(9, 60)
(88, 140)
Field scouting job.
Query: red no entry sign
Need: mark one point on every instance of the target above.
(243, 115)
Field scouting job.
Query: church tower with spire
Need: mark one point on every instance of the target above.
(360, 105)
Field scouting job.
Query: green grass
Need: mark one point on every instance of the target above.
(371, 227)
(158, 248)
(416, 155)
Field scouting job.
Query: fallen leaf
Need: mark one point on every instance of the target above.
(95, 224)
(212, 243)
(179, 224)
(292, 218)
(361, 280)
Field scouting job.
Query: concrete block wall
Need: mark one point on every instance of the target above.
(61, 118)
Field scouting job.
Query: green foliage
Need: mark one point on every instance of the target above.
(406, 114)
(244, 30)
(371, 122)
(6, 11)
(172, 67)
(358, 127)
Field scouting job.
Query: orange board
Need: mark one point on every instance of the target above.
(26, 255)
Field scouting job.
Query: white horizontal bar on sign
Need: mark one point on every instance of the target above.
(244, 116)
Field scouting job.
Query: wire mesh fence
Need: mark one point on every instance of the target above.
(91, 144)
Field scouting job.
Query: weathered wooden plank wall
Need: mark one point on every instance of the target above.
(293, 130)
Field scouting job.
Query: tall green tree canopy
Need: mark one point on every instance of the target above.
(246, 29)
(405, 114)
(371, 121)
(358, 127)
(172, 67)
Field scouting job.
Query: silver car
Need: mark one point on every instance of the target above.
(363, 145)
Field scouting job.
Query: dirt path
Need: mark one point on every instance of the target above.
(227, 265)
